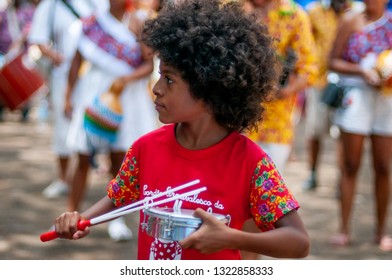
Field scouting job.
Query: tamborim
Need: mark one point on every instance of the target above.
(168, 224)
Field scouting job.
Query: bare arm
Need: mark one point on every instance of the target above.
(347, 26)
(288, 240)
(56, 57)
(143, 70)
(72, 79)
(297, 82)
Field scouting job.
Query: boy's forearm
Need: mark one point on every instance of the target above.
(279, 243)
(101, 207)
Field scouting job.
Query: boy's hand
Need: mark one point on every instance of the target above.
(66, 226)
(213, 235)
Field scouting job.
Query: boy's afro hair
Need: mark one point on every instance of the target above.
(225, 55)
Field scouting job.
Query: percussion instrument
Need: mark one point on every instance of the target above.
(133, 207)
(19, 81)
(103, 117)
(174, 224)
(384, 68)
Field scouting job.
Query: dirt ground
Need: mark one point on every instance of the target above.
(27, 166)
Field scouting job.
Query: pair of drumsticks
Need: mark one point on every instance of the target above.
(133, 207)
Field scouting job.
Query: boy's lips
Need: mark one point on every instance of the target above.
(158, 105)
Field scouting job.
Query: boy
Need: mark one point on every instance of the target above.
(216, 68)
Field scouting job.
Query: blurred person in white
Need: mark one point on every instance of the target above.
(110, 44)
(324, 16)
(366, 113)
(55, 31)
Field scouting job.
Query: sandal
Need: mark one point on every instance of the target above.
(340, 240)
(385, 243)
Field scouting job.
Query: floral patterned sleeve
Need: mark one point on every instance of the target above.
(269, 198)
(124, 188)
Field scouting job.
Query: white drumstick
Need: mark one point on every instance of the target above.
(151, 198)
(111, 215)
(148, 202)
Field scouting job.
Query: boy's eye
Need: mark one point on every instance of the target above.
(168, 80)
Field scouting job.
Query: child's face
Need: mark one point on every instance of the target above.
(174, 102)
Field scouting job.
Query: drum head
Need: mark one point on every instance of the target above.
(180, 215)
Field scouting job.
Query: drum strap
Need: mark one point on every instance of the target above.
(69, 6)
(52, 16)
(51, 20)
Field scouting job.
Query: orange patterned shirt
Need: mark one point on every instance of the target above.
(290, 25)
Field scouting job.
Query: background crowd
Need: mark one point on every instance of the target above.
(89, 46)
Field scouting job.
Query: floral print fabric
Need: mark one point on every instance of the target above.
(374, 38)
(124, 189)
(269, 198)
(290, 25)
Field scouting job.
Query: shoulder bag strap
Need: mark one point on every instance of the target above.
(69, 6)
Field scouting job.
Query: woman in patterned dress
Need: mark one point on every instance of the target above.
(366, 112)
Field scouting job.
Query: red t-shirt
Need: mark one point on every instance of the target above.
(240, 177)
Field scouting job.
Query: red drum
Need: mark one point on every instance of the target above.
(19, 80)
